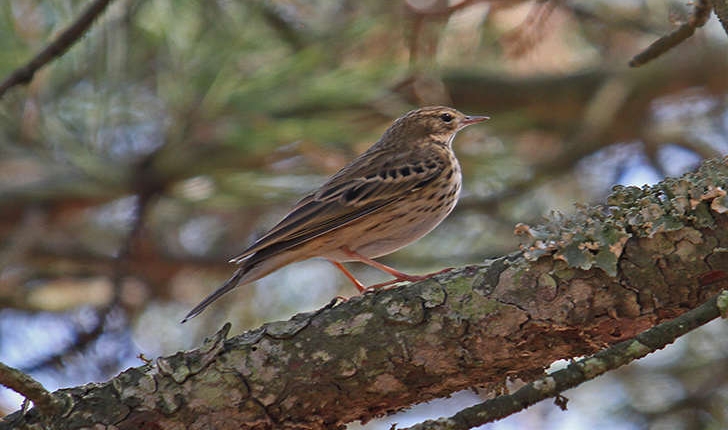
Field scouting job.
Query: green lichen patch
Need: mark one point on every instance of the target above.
(596, 236)
(402, 309)
(588, 238)
(470, 304)
(174, 366)
(691, 200)
(349, 326)
(431, 294)
(205, 392)
(287, 329)
(722, 304)
(135, 385)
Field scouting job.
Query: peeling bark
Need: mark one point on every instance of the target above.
(579, 283)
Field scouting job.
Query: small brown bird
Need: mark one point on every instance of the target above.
(388, 197)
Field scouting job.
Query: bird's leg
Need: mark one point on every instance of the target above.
(399, 276)
(416, 278)
(359, 286)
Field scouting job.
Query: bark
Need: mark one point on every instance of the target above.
(580, 283)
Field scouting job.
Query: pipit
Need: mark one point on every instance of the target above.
(388, 197)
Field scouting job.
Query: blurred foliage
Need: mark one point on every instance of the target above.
(177, 131)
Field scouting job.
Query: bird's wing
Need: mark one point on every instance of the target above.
(369, 183)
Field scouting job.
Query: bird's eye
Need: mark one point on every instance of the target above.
(446, 117)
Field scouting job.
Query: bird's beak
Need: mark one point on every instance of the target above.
(473, 120)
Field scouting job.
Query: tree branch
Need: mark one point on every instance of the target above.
(583, 370)
(580, 284)
(68, 37)
(47, 404)
(700, 15)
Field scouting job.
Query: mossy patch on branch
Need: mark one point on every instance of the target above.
(594, 236)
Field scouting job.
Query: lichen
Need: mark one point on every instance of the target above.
(355, 325)
(595, 236)
(205, 392)
(471, 303)
(722, 304)
(402, 309)
(432, 294)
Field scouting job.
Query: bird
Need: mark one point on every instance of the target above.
(394, 193)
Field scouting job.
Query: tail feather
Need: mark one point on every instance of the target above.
(224, 288)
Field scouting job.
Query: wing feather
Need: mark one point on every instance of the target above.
(368, 184)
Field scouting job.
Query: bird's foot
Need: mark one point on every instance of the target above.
(403, 277)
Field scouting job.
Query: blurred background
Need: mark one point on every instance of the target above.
(177, 131)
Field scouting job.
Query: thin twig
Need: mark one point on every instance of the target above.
(65, 39)
(583, 370)
(22, 383)
(700, 15)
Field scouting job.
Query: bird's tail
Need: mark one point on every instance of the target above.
(224, 288)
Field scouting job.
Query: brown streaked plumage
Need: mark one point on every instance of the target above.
(389, 196)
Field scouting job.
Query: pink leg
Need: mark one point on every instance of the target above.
(399, 276)
(359, 286)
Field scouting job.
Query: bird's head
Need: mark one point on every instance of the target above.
(436, 123)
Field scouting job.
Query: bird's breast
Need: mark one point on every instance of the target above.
(409, 218)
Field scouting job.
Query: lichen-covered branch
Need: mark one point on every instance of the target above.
(579, 284)
(583, 370)
(30, 388)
